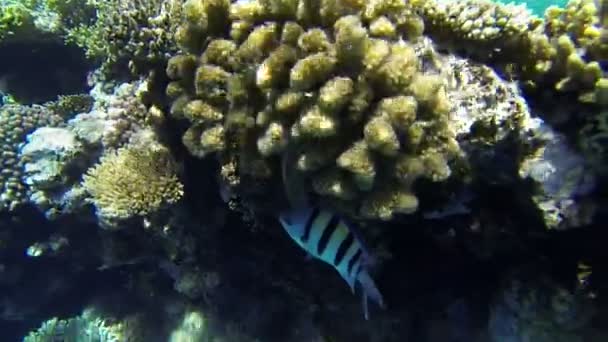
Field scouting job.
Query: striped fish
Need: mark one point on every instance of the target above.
(326, 236)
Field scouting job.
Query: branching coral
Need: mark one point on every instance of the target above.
(86, 327)
(129, 35)
(36, 19)
(133, 181)
(261, 77)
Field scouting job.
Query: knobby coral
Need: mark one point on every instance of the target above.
(563, 50)
(338, 82)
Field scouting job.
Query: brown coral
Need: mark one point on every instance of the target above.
(337, 81)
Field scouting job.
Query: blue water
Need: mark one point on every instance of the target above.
(539, 6)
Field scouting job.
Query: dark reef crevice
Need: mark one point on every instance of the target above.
(39, 71)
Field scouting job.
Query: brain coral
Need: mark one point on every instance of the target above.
(16, 122)
(339, 82)
(133, 181)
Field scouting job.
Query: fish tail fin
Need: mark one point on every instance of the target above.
(369, 289)
(365, 307)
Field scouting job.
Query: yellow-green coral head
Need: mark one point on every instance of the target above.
(133, 181)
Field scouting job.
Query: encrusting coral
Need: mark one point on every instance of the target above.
(339, 82)
(133, 181)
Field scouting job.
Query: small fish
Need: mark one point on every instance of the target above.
(327, 237)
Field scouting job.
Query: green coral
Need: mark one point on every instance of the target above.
(297, 74)
(133, 181)
(36, 19)
(15, 17)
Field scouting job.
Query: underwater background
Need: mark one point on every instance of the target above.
(538, 7)
(303, 170)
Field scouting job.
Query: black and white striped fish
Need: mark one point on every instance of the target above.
(326, 236)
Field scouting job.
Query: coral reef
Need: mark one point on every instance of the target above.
(393, 114)
(462, 139)
(55, 159)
